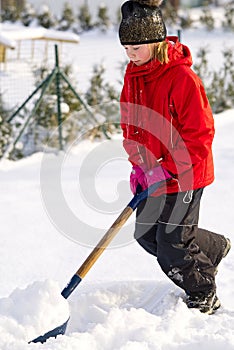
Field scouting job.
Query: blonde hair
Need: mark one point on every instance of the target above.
(159, 51)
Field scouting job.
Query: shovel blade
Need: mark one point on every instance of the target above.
(60, 330)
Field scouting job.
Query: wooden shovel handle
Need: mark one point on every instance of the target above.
(104, 242)
(114, 229)
(107, 238)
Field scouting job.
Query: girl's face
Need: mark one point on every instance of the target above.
(139, 54)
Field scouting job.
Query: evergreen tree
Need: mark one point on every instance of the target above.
(103, 18)
(11, 9)
(228, 23)
(40, 130)
(95, 95)
(45, 18)
(47, 112)
(170, 13)
(185, 20)
(103, 98)
(5, 128)
(207, 19)
(218, 84)
(85, 18)
(10, 13)
(28, 14)
(67, 18)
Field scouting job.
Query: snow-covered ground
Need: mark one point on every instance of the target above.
(124, 302)
(54, 208)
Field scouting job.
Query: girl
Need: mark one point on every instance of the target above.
(168, 130)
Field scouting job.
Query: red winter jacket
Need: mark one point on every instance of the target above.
(166, 117)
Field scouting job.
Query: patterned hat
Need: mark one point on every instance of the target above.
(141, 23)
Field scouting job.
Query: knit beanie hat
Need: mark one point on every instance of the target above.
(141, 23)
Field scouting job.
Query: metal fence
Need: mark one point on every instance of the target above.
(17, 73)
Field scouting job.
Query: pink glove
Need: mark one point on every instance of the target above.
(146, 178)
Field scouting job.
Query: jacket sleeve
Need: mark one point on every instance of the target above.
(132, 142)
(195, 125)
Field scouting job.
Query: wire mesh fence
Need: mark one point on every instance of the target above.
(17, 73)
(21, 75)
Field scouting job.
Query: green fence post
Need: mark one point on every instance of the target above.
(59, 114)
(179, 34)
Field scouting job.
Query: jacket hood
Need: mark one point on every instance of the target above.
(178, 54)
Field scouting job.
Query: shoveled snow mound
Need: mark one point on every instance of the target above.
(30, 312)
(133, 315)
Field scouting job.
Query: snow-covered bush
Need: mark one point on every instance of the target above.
(45, 17)
(228, 22)
(28, 14)
(104, 21)
(207, 18)
(5, 127)
(85, 18)
(9, 13)
(103, 98)
(67, 19)
(218, 84)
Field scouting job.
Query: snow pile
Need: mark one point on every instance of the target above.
(112, 316)
(32, 311)
(145, 315)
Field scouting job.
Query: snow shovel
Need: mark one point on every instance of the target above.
(95, 254)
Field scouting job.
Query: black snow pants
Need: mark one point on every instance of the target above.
(167, 227)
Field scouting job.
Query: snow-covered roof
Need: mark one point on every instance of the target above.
(9, 37)
(6, 41)
(61, 36)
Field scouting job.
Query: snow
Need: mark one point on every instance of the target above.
(13, 32)
(6, 42)
(55, 208)
(124, 302)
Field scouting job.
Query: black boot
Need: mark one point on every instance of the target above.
(206, 303)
